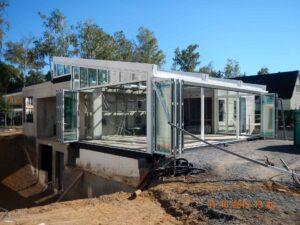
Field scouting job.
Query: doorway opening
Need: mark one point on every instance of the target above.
(46, 160)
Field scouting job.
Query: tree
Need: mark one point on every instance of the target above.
(232, 68)
(22, 55)
(263, 71)
(92, 42)
(209, 69)
(124, 48)
(187, 59)
(56, 39)
(147, 50)
(3, 23)
(5, 109)
(9, 76)
(34, 77)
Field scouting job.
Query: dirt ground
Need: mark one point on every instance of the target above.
(223, 166)
(185, 201)
(231, 191)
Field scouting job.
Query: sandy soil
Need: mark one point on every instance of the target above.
(228, 193)
(185, 201)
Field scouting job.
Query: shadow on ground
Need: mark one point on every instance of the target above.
(290, 149)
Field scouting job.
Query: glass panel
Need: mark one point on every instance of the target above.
(244, 126)
(60, 69)
(70, 116)
(103, 76)
(249, 114)
(268, 115)
(55, 70)
(92, 77)
(83, 77)
(227, 112)
(67, 69)
(75, 77)
(163, 129)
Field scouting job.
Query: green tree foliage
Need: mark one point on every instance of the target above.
(92, 42)
(34, 77)
(3, 23)
(209, 69)
(56, 38)
(124, 49)
(22, 55)
(263, 71)
(146, 49)
(232, 68)
(4, 107)
(186, 59)
(9, 78)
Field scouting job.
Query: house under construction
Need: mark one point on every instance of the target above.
(110, 117)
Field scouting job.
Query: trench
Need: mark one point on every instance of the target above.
(20, 187)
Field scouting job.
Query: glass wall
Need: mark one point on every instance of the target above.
(76, 81)
(115, 115)
(192, 109)
(226, 109)
(162, 128)
(70, 116)
(61, 70)
(83, 77)
(249, 114)
(268, 115)
(92, 77)
(103, 76)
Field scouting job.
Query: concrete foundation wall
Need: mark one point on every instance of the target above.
(111, 166)
(90, 185)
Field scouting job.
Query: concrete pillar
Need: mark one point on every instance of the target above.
(97, 114)
(202, 114)
(54, 181)
(237, 115)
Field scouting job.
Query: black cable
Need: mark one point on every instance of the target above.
(165, 168)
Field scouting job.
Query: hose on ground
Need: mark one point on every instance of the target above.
(164, 167)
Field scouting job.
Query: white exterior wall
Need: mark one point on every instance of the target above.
(107, 164)
(43, 90)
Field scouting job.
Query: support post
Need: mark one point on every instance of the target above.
(97, 114)
(202, 114)
(237, 115)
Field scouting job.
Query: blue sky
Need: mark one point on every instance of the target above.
(256, 33)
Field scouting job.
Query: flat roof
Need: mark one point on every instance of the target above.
(204, 80)
(96, 63)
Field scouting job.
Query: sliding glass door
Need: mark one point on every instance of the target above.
(67, 116)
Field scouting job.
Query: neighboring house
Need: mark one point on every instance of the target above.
(14, 117)
(285, 84)
(110, 117)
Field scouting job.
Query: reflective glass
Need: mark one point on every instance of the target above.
(75, 77)
(67, 69)
(103, 77)
(60, 69)
(83, 77)
(70, 116)
(92, 77)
